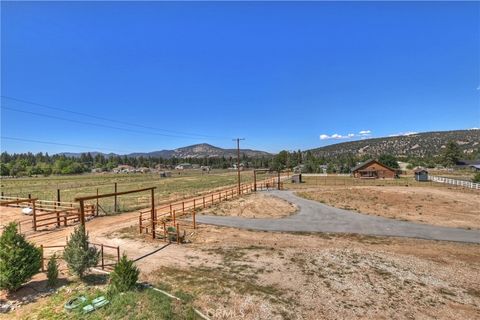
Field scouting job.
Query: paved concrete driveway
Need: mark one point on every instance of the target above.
(316, 217)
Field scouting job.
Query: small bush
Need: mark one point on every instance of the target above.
(124, 276)
(19, 259)
(476, 177)
(52, 271)
(78, 255)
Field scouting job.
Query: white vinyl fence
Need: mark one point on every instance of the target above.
(466, 184)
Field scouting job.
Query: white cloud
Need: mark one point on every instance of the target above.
(337, 136)
(365, 133)
(407, 133)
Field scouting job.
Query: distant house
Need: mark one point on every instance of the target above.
(123, 168)
(183, 166)
(475, 167)
(421, 174)
(467, 164)
(372, 169)
(299, 169)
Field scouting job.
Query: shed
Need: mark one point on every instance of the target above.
(421, 175)
(297, 178)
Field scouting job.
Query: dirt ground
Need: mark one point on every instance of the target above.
(242, 274)
(436, 206)
(254, 205)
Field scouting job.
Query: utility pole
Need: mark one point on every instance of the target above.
(238, 161)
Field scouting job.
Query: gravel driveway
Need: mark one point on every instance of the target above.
(317, 217)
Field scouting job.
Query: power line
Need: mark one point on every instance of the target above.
(96, 124)
(61, 144)
(109, 119)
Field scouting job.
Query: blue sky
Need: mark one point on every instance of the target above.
(283, 75)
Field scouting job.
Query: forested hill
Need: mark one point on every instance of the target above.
(422, 145)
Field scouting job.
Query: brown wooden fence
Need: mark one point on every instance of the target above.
(49, 214)
(167, 223)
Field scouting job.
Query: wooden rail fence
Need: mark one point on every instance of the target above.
(47, 213)
(167, 225)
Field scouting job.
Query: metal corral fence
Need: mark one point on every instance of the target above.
(109, 255)
(461, 183)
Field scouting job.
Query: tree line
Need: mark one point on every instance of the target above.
(29, 164)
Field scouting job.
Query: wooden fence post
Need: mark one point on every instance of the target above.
(41, 250)
(178, 233)
(140, 222)
(118, 254)
(103, 263)
(153, 215)
(174, 216)
(115, 199)
(183, 207)
(194, 221)
(164, 231)
(96, 209)
(58, 218)
(34, 216)
(203, 202)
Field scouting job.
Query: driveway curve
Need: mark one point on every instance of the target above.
(317, 217)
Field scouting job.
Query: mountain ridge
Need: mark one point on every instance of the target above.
(200, 150)
(425, 144)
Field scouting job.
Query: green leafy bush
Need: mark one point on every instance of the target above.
(476, 177)
(52, 271)
(124, 276)
(19, 259)
(78, 255)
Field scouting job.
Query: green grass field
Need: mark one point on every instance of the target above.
(181, 184)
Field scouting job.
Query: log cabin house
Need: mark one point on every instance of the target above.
(372, 169)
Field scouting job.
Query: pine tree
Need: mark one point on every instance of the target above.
(52, 271)
(451, 154)
(19, 259)
(78, 255)
(124, 276)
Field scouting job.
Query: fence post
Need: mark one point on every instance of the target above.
(34, 216)
(178, 233)
(183, 207)
(118, 254)
(96, 209)
(203, 202)
(170, 210)
(41, 250)
(174, 216)
(153, 213)
(194, 221)
(58, 218)
(164, 231)
(115, 199)
(140, 222)
(103, 263)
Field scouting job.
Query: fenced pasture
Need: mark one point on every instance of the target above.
(182, 184)
(341, 180)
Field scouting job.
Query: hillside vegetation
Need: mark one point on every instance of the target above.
(421, 145)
